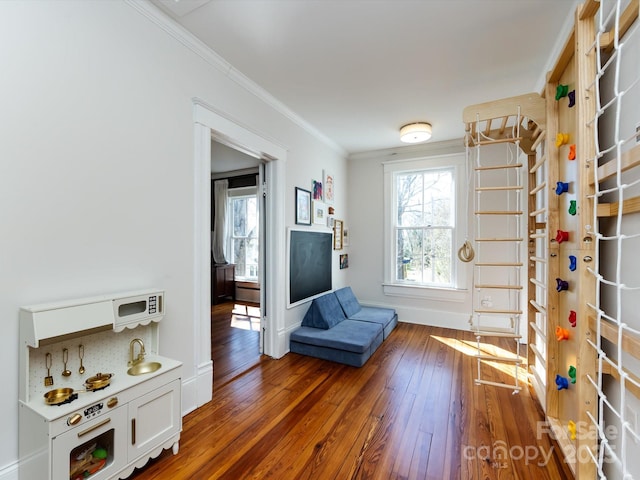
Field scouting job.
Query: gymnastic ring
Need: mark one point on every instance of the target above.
(466, 253)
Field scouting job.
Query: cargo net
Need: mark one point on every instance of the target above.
(615, 315)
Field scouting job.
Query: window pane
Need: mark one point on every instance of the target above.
(437, 256)
(409, 248)
(409, 201)
(239, 217)
(438, 198)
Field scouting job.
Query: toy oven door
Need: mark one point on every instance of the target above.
(94, 450)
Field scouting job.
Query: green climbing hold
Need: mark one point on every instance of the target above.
(572, 374)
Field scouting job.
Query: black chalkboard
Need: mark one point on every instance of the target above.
(310, 256)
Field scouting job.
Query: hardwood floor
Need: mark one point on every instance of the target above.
(411, 412)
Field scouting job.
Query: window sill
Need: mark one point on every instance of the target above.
(427, 293)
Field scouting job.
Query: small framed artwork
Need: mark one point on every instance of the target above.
(344, 261)
(303, 206)
(337, 234)
(319, 213)
(329, 187)
(317, 190)
(345, 237)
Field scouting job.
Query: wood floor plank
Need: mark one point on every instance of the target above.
(411, 412)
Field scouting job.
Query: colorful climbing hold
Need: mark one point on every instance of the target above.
(561, 91)
(572, 207)
(572, 263)
(573, 318)
(562, 139)
(571, 426)
(562, 333)
(561, 382)
(561, 285)
(562, 187)
(572, 98)
(572, 152)
(562, 236)
(572, 373)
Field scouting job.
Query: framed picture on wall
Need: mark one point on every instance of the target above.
(329, 187)
(303, 206)
(319, 213)
(337, 234)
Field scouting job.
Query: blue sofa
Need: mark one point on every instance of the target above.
(337, 328)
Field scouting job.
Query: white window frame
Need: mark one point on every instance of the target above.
(235, 193)
(391, 286)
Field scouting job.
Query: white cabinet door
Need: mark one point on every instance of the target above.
(153, 419)
(72, 450)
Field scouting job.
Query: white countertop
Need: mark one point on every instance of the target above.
(119, 382)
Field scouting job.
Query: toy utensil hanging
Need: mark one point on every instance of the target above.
(65, 358)
(466, 253)
(48, 380)
(81, 355)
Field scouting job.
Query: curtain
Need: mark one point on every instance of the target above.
(220, 188)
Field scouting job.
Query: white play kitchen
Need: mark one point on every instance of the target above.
(96, 399)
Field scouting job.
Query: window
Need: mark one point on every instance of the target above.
(425, 207)
(424, 222)
(243, 238)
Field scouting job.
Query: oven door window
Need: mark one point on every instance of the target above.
(93, 449)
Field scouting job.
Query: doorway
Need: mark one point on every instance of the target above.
(208, 122)
(237, 213)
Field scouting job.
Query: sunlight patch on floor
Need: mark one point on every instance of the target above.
(245, 317)
(470, 348)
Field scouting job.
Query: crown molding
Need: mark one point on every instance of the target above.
(197, 46)
(444, 147)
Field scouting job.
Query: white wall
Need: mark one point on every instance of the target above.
(97, 167)
(366, 232)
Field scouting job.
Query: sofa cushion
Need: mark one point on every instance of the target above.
(348, 301)
(386, 317)
(325, 312)
(348, 335)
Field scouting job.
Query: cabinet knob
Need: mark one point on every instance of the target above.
(112, 402)
(74, 419)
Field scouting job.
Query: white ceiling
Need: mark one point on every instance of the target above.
(357, 70)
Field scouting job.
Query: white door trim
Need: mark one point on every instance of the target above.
(207, 120)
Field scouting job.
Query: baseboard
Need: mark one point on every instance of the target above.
(425, 316)
(198, 390)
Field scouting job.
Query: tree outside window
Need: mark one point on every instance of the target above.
(424, 227)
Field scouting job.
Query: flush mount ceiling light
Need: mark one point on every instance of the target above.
(415, 132)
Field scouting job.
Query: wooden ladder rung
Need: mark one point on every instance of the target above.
(538, 354)
(480, 333)
(499, 212)
(493, 189)
(499, 264)
(538, 188)
(498, 239)
(493, 358)
(534, 326)
(504, 287)
(499, 167)
(496, 384)
(499, 140)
